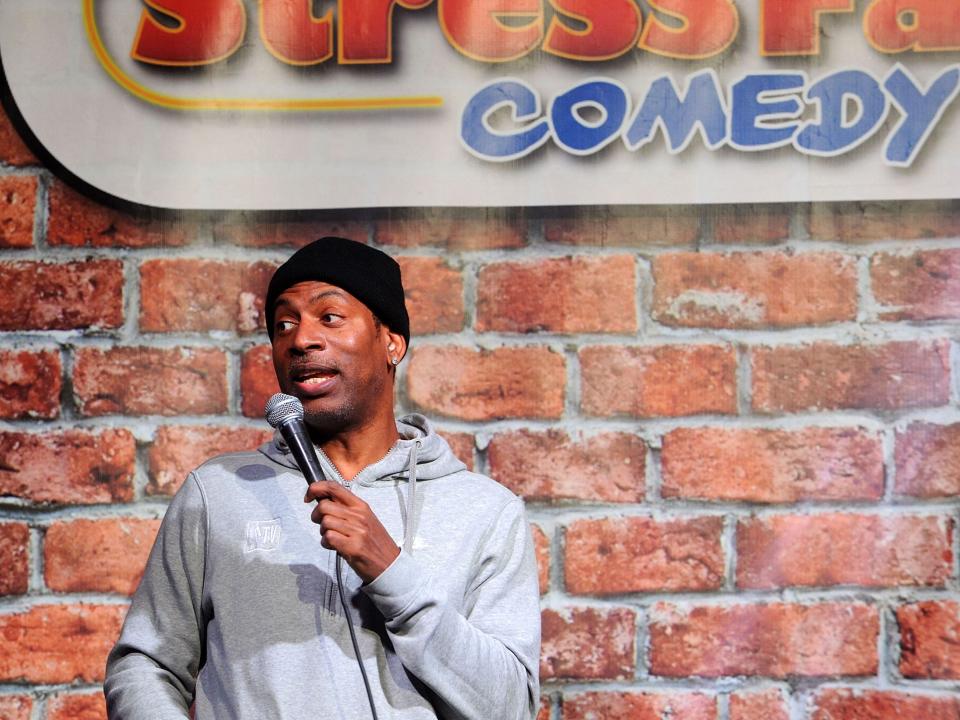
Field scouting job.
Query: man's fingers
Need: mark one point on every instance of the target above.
(328, 489)
(330, 523)
(327, 506)
(332, 507)
(332, 540)
(349, 527)
(319, 490)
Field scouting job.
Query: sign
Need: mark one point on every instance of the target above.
(309, 104)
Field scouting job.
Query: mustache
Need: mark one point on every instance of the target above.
(306, 366)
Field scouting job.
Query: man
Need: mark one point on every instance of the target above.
(238, 609)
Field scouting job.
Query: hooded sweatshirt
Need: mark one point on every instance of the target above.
(239, 609)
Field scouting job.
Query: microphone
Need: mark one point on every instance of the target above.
(285, 413)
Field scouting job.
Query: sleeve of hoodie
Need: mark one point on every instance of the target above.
(484, 663)
(151, 671)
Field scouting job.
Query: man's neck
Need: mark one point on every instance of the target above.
(354, 449)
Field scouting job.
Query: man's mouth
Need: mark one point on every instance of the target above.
(314, 380)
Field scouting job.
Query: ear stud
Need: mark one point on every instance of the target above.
(395, 361)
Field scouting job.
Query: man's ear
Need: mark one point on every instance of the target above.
(395, 344)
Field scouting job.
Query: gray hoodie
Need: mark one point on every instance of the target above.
(238, 606)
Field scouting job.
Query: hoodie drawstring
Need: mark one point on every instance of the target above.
(411, 499)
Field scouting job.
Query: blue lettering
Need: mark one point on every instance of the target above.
(701, 108)
(505, 121)
(753, 112)
(488, 144)
(921, 111)
(579, 136)
(833, 133)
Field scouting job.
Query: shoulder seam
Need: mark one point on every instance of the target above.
(206, 533)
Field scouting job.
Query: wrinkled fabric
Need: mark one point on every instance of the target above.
(238, 607)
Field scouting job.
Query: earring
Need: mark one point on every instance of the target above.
(395, 361)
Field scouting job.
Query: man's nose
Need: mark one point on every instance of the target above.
(309, 335)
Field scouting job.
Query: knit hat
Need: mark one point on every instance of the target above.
(371, 276)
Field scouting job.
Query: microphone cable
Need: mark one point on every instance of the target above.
(353, 636)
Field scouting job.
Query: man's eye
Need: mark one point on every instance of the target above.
(284, 325)
(330, 317)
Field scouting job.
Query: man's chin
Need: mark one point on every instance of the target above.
(325, 418)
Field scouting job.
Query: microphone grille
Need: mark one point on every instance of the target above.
(282, 407)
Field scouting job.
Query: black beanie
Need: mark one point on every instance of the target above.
(371, 276)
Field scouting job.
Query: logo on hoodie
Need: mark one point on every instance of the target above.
(262, 535)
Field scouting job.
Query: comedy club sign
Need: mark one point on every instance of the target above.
(298, 104)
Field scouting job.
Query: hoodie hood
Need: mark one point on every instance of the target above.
(433, 458)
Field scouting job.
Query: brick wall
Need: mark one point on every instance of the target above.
(736, 429)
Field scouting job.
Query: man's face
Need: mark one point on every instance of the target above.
(329, 351)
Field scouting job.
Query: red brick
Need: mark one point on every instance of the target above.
(15, 707)
(759, 705)
(77, 221)
(866, 222)
(62, 296)
(90, 706)
(248, 230)
(588, 644)
(628, 226)
(58, 643)
(104, 555)
(439, 229)
(920, 286)
(18, 200)
(928, 460)
(639, 706)
(461, 445)
(177, 450)
(844, 549)
(30, 382)
(551, 465)
(544, 712)
(638, 554)
(750, 224)
(772, 466)
(150, 381)
(753, 290)
(860, 704)
(664, 381)
(541, 544)
(824, 376)
(13, 151)
(14, 558)
(434, 292)
(258, 380)
(777, 640)
(68, 466)
(470, 384)
(930, 640)
(179, 295)
(562, 295)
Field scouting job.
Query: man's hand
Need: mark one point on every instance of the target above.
(348, 525)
